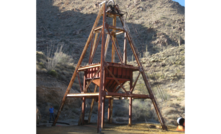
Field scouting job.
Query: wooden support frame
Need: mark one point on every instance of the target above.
(101, 95)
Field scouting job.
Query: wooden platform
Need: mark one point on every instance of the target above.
(115, 74)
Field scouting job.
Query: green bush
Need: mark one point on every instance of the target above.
(53, 73)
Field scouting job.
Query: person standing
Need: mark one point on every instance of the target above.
(51, 110)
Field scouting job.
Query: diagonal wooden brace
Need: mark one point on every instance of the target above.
(132, 89)
(116, 79)
(117, 89)
(92, 78)
(106, 25)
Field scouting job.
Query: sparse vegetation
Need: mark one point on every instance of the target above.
(53, 73)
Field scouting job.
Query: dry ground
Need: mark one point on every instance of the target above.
(108, 129)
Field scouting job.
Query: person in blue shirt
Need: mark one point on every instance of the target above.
(51, 110)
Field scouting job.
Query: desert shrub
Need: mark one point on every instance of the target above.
(53, 73)
(58, 58)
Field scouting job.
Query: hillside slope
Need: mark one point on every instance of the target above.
(154, 24)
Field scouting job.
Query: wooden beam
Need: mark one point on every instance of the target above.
(132, 89)
(93, 46)
(83, 95)
(89, 89)
(130, 104)
(127, 95)
(84, 83)
(98, 28)
(78, 65)
(130, 111)
(92, 57)
(83, 110)
(111, 27)
(119, 32)
(110, 109)
(106, 45)
(112, 15)
(115, 79)
(89, 66)
(115, 28)
(81, 119)
(119, 48)
(103, 111)
(125, 49)
(92, 105)
(101, 89)
(80, 82)
(124, 66)
(122, 79)
(113, 41)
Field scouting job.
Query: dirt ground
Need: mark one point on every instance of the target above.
(141, 128)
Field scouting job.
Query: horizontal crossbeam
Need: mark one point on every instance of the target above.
(107, 95)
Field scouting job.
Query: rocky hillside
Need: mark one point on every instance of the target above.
(158, 30)
(154, 24)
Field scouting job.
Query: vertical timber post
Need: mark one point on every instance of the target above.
(114, 39)
(101, 89)
(110, 107)
(130, 111)
(130, 104)
(125, 49)
(83, 110)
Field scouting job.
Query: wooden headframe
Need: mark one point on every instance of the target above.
(108, 76)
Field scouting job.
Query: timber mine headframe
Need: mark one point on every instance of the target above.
(110, 77)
